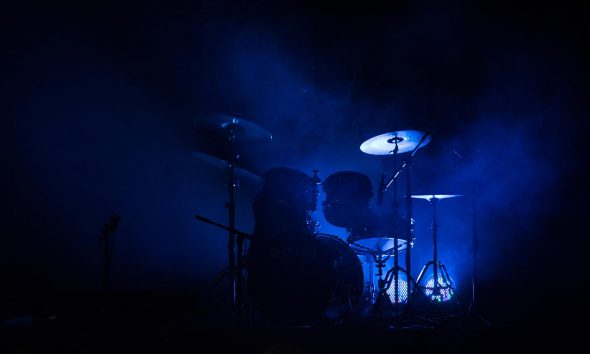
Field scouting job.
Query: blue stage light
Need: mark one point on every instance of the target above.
(402, 291)
(444, 292)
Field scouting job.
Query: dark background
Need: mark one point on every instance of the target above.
(100, 99)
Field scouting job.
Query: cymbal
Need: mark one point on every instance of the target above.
(379, 245)
(430, 197)
(384, 144)
(244, 131)
(221, 164)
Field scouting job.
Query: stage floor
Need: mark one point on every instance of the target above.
(177, 324)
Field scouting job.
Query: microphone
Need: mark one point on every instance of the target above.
(381, 188)
(109, 228)
(113, 223)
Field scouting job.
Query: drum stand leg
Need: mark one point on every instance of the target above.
(384, 285)
(382, 300)
(472, 311)
(236, 278)
(442, 285)
(385, 305)
(393, 274)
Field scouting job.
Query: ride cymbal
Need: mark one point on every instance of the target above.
(430, 197)
(385, 144)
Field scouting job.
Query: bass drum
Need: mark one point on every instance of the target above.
(304, 282)
(346, 278)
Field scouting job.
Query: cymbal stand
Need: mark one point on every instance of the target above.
(442, 284)
(409, 220)
(235, 239)
(384, 282)
(474, 260)
(472, 311)
(396, 266)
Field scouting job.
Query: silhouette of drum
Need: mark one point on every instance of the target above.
(347, 199)
(303, 282)
(284, 205)
(348, 194)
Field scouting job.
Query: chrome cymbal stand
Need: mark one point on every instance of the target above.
(396, 268)
(393, 273)
(236, 239)
(442, 288)
(472, 311)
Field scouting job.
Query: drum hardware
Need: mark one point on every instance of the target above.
(472, 310)
(240, 239)
(106, 242)
(243, 235)
(395, 143)
(442, 288)
(231, 131)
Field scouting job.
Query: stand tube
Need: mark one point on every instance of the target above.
(231, 206)
(435, 245)
(474, 254)
(395, 236)
(409, 216)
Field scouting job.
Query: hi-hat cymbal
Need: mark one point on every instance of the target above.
(430, 197)
(384, 144)
(227, 126)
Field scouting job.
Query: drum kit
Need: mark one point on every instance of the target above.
(290, 273)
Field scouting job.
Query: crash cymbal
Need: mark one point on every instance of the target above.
(430, 197)
(226, 126)
(384, 144)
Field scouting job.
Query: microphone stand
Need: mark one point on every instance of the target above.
(471, 311)
(105, 237)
